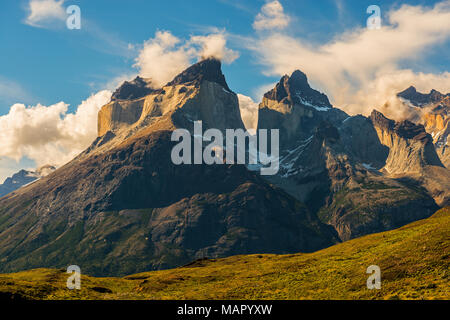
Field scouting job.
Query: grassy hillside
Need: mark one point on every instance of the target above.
(414, 262)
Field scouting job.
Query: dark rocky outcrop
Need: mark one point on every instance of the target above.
(420, 99)
(296, 89)
(360, 139)
(135, 89)
(205, 70)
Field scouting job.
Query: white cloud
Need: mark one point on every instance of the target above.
(214, 46)
(48, 134)
(355, 67)
(161, 59)
(165, 55)
(249, 111)
(271, 17)
(43, 12)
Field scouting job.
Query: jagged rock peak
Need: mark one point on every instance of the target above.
(404, 129)
(135, 89)
(296, 89)
(379, 120)
(420, 99)
(209, 69)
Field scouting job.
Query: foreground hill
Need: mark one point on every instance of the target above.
(414, 262)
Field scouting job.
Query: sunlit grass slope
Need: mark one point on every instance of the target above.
(414, 262)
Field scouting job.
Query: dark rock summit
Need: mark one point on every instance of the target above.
(205, 70)
(135, 89)
(405, 129)
(296, 89)
(379, 120)
(296, 110)
(420, 99)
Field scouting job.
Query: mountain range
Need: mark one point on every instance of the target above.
(122, 206)
(24, 177)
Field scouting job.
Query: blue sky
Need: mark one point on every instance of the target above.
(53, 64)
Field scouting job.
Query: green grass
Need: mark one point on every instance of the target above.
(414, 262)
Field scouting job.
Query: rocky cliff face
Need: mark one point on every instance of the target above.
(135, 89)
(123, 206)
(410, 146)
(435, 116)
(198, 93)
(436, 120)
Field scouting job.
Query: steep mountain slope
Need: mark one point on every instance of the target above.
(122, 206)
(24, 177)
(330, 161)
(410, 146)
(414, 263)
(412, 156)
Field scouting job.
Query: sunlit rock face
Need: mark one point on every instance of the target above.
(198, 93)
(410, 146)
(435, 116)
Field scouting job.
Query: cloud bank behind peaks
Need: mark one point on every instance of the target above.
(356, 66)
(48, 134)
(164, 56)
(249, 111)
